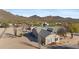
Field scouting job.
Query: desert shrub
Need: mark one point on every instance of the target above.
(4, 25)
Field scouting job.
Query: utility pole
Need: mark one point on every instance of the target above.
(15, 30)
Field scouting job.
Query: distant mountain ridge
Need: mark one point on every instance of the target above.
(7, 15)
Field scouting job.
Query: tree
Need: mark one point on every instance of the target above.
(61, 31)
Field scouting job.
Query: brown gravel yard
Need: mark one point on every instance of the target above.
(8, 41)
(15, 42)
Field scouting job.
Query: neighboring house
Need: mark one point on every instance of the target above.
(45, 33)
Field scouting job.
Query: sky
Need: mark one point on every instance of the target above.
(72, 13)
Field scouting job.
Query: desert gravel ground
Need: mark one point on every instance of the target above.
(7, 42)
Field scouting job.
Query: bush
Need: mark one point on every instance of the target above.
(4, 25)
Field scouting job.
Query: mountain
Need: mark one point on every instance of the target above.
(34, 17)
(53, 18)
(6, 15)
(9, 17)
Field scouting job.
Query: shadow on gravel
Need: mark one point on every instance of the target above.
(60, 47)
(31, 37)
